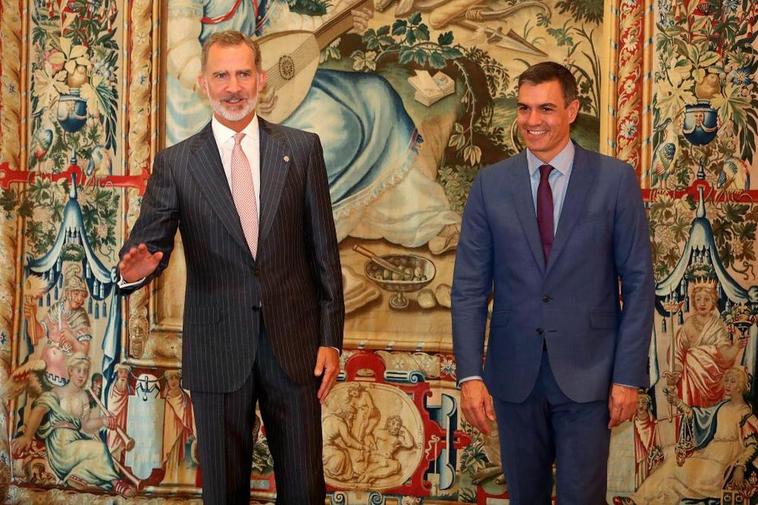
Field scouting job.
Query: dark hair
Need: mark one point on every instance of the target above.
(230, 38)
(547, 71)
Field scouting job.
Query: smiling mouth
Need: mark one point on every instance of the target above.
(233, 101)
(536, 133)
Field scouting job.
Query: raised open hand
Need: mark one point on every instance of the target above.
(138, 263)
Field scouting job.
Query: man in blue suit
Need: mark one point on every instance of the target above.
(557, 236)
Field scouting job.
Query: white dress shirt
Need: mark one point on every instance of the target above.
(250, 146)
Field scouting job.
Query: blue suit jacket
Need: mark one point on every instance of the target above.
(601, 254)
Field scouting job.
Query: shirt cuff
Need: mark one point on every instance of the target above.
(470, 378)
(123, 284)
(626, 386)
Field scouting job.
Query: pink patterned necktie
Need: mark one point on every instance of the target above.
(243, 193)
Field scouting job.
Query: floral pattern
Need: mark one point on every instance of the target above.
(705, 55)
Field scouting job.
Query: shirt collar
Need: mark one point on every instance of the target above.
(223, 134)
(562, 161)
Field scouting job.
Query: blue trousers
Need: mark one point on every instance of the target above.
(546, 428)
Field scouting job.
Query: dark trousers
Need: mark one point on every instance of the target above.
(292, 420)
(549, 427)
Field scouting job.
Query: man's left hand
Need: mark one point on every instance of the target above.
(328, 366)
(622, 403)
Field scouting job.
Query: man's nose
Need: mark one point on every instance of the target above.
(533, 117)
(234, 84)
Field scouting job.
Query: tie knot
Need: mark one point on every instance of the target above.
(545, 171)
(238, 137)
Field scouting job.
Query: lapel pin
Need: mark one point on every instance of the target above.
(286, 159)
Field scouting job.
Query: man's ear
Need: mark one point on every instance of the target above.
(573, 110)
(202, 85)
(262, 80)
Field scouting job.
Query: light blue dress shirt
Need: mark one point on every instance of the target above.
(558, 178)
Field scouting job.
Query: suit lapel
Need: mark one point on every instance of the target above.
(274, 163)
(521, 191)
(576, 195)
(208, 171)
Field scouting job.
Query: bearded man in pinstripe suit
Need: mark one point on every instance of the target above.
(264, 313)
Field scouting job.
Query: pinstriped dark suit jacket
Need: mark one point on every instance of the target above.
(295, 282)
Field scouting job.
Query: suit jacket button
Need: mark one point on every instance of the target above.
(540, 331)
(547, 298)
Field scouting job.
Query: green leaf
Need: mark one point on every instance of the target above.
(26, 208)
(383, 30)
(420, 57)
(699, 24)
(436, 60)
(8, 200)
(308, 7)
(745, 231)
(399, 27)
(734, 212)
(735, 107)
(445, 39)
(406, 56)
(422, 33)
(451, 53)
(415, 18)
(410, 37)
(681, 47)
(693, 53)
(708, 59)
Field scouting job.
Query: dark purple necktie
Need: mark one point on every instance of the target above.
(545, 211)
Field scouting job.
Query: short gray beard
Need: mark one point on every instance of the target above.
(225, 113)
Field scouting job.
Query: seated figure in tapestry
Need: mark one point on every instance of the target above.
(69, 428)
(379, 185)
(384, 457)
(703, 347)
(714, 453)
(65, 329)
(340, 445)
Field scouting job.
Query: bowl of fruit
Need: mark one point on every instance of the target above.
(399, 274)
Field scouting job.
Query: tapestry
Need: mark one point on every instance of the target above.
(410, 99)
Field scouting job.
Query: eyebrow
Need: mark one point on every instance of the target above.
(238, 71)
(547, 104)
